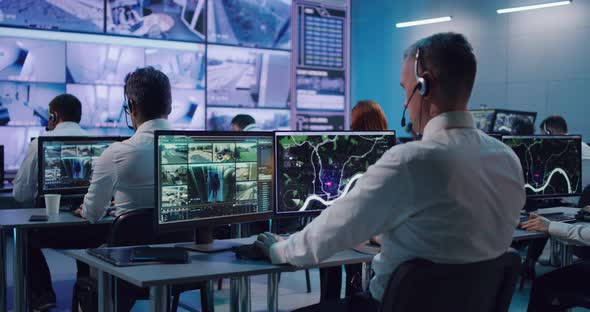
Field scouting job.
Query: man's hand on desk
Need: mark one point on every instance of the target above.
(265, 241)
(536, 223)
(78, 212)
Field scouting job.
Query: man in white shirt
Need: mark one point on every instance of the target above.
(453, 197)
(244, 122)
(571, 280)
(125, 171)
(65, 113)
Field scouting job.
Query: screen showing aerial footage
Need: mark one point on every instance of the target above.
(247, 77)
(158, 19)
(32, 60)
(25, 104)
(202, 177)
(320, 89)
(101, 63)
(73, 15)
(188, 109)
(185, 69)
(251, 23)
(315, 169)
(551, 165)
(515, 123)
(68, 165)
(484, 119)
(219, 118)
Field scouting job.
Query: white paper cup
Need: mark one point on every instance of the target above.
(52, 204)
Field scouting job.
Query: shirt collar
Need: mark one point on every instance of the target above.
(154, 124)
(449, 120)
(66, 125)
(250, 127)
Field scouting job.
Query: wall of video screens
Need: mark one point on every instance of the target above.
(223, 57)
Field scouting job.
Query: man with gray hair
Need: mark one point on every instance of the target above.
(453, 197)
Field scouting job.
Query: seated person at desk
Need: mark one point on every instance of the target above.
(244, 122)
(123, 171)
(453, 197)
(366, 115)
(65, 113)
(568, 280)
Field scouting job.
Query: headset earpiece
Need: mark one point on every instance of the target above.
(52, 117)
(421, 82)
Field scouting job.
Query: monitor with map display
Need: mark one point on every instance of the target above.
(552, 165)
(314, 169)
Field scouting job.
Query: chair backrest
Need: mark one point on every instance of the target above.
(135, 227)
(421, 285)
(585, 198)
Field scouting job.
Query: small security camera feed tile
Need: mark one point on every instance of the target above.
(219, 118)
(159, 19)
(173, 196)
(247, 77)
(315, 169)
(225, 176)
(101, 63)
(32, 60)
(25, 104)
(185, 69)
(320, 89)
(188, 109)
(174, 154)
(250, 23)
(73, 15)
(102, 106)
(67, 165)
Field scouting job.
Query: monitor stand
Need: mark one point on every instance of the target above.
(204, 242)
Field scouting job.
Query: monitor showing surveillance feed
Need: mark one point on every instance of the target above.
(219, 118)
(32, 60)
(321, 89)
(167, 20)
(66, 162)
(185, 69)
(213, 176)
(314, 169)
(514, 122)
(552, 165)
(251, 23)
(247, 77)
(71, 15)
(26, 104)
(188, 109)
(484, 119)
(100, 63)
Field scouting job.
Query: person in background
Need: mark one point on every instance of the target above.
(406, 195)
(65, 113)
(569, 280)
(243, 122)
(366, 115)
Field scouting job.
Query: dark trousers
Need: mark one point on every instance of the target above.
(331, 281)
(572, 280)
(78, 237)
(536, 246)
(357, 302)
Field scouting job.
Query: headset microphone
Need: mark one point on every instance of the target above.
(406, 106)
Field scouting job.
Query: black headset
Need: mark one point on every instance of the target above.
(547, 131)
(422, 86)
(52, 117)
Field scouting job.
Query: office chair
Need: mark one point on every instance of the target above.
(422, 285)
(129, 229)
(585, 198)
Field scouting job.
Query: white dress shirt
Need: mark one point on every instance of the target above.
(125, 171)
(453, 197)
(575, 234)
(25, 183)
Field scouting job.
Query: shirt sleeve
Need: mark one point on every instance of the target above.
(25, 182)
(379, 201)
(571, 233)
(102, 186)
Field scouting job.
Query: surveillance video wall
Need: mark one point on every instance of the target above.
(232, 56)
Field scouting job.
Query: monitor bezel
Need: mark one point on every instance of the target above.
(282, 214)
(564, 137)
(196, 223)
(40, 157)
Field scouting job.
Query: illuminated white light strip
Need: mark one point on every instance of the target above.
(424, 22)
(100, 39)
(533, 7)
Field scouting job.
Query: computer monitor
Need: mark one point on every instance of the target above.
(316, 168)
(65, 164)
(514, 122)
(208, 178)
(1, 166)
(552, 165)
(484, 119)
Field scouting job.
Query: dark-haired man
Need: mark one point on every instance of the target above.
(452, 197)
(243, 122)
(65, 113)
